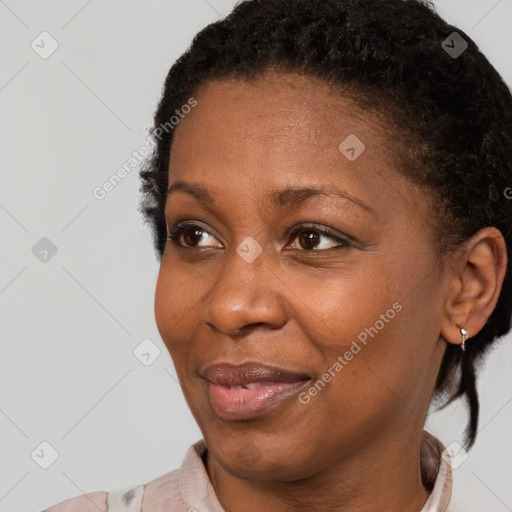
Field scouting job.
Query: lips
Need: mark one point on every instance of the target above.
(241, 392)
(250, 375)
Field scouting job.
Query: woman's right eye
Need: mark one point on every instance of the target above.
(193, 235)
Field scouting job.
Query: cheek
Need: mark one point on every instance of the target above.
(176, 298)
(374, 328)
(352, 303)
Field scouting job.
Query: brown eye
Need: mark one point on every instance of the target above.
(309, 239)
(315, 239)
(190, 235)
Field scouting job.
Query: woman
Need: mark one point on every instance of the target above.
(328, 194)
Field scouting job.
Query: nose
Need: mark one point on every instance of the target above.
(245, 296)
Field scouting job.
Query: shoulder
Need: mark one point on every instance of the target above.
(163, 493)
(168, 493)
(92, 502)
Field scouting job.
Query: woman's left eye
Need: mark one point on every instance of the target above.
(310, 238)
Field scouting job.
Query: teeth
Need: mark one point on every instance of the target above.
(251, 385)
(254, 385)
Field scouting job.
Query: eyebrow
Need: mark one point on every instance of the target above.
(290, 196)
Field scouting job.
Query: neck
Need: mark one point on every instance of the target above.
(383, 477)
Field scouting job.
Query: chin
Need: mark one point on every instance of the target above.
(255, 457)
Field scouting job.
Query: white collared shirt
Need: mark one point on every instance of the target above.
(189, 489)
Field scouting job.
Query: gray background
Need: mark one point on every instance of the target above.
(69, 325)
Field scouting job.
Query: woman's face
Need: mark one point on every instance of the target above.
(310, 253)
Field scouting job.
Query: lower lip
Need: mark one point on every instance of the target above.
(240, 404)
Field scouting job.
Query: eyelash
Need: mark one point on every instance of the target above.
(344, 242)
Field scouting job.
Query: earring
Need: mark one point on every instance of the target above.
(464, 335)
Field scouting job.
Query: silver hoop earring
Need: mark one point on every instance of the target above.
(464, 335)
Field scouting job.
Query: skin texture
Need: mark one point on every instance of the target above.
(299, 305)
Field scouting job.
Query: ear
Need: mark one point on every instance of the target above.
(474, 281)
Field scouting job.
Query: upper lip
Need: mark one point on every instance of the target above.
(238, 375)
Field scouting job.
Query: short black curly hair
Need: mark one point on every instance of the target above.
(453, 112)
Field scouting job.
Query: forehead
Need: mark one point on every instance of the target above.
(274, 106)
(246, 137)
